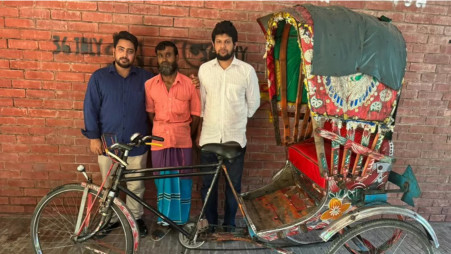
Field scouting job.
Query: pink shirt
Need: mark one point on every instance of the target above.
(173, 110)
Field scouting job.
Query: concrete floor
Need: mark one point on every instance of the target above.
(15, 238)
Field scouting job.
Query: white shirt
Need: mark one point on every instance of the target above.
(228, 98)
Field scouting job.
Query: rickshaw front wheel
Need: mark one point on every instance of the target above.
(382, 236)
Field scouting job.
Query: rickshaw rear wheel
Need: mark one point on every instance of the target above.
(382, 236)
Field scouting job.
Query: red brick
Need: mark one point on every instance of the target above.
(247, 6)
(441, 20)
(40, 93)
(4, 64)
(158, 21)
(16, 148)
(127, 19)
(55, 66)
(35, 34)
(41, 131)
(65, 15)
(61, 57)
(58, 104)
(233, 15)
(203, 13)
(22, 44)
(26, 84)
(422, 67)
(149, 9)
(36, 192)
(426, 48)
(75, 95)
(83, 27)
(9, 12)
(84, 67)
(379, 5)
(34, 13)
(438, 39)
(69, 76)
(37, 55)
(11, 73)
(8, 120)
(113, 7)
(7, 138)
(28, 103)
(429, 29)
(41, 75)
(415, 38)
(97, 17)
(51, 25)
(188, 22)
(6, 102)
(6, 129)
(436, 58)
(51, 4)
(42, 113)
(86, 6)
(21, 23)
(70, 114)
(30, 121)
(27, 139)
(173, 32)
(24, 65)
(3, 43)
(219, 5)
(107, 28)
(55, 85)
(44, 149)
(23, 201)
(11, 209)
(10, 33)
(417, 18)
(174, 11)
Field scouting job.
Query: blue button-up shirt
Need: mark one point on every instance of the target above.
(116, 105)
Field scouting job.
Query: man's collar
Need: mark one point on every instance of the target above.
(112, 68)
(177, 78)
(234, 61)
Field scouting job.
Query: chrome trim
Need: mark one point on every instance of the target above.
(366, 212)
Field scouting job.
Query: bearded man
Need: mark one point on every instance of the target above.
(173, 106)
(229, 96)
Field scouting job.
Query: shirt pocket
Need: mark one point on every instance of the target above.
(180, 109)
(235, 93)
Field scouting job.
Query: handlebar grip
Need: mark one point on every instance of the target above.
(158, 138)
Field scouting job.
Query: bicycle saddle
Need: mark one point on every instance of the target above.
(228, 150)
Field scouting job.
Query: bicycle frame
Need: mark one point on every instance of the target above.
(120, 176)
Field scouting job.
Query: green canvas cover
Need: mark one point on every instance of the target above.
(347, 42)
(293, 62)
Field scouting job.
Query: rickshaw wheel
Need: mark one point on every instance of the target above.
(382, 236)
(187, 243)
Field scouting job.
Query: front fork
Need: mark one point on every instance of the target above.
(87, 203)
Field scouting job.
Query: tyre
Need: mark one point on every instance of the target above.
(55, 218)
(382, 236)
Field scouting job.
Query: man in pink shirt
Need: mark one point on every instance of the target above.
(173, 105)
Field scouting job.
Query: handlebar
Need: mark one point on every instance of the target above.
(136, 141)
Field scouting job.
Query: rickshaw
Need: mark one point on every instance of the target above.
(334, 82)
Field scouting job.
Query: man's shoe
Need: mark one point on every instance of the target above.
(142, 228)
(108, 228)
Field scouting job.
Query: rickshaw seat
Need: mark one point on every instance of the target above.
(303, 155)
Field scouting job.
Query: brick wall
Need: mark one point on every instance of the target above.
(49, 49)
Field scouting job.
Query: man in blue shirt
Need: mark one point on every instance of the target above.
(115, 108)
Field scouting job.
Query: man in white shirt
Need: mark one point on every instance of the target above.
(229, 96)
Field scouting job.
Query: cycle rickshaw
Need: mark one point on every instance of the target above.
(335, 79)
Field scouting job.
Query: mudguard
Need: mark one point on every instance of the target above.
(128, 215)
(366, 212)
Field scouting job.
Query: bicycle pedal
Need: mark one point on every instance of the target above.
(202, 225)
